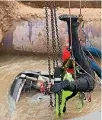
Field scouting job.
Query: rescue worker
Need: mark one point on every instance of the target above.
(85, 82)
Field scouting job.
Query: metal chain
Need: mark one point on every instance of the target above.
(47, 33)
(48, 50)
(54, 42)
(57, 35)
(55, 58)
(59, 50)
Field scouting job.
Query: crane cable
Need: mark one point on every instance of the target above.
(70, 40)
(70, 36)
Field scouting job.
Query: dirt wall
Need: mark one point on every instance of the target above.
(65, 4)
(13, 13)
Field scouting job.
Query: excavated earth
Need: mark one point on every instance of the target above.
(15, 15)
(15, 12)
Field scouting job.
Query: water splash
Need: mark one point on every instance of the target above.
(39, 97)
(12, 105)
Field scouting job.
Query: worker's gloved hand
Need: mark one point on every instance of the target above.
(57, 87)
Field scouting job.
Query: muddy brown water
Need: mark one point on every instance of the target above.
(10, 66)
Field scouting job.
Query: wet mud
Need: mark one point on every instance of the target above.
(27, 108)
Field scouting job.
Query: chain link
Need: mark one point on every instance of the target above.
(59, 50)
(48, 41)
(55, 57)
(54, 35)
(48, 50)
(54, 42)
(57, 35)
